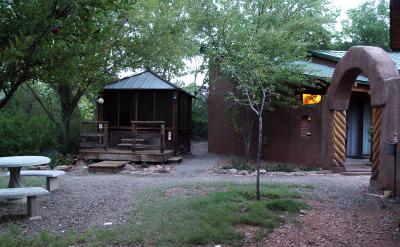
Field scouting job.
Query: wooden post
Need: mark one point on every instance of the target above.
(338, 138)
(105, 140)
(190, 125)
(175, 122)
(119, 103)
(136, 106)
(134, 134)
(154, 106)
(81, 137)
(100, 109)
(376, 142)
(162, 137)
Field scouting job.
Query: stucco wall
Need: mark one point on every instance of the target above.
(282, 140)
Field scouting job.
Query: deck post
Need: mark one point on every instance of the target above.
(134, 135)
(105, 138)
(175, 122)
(162, 137)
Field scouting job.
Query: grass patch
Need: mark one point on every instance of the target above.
(25, 182)
(182, 221)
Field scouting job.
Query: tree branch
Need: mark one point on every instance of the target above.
(39, 100)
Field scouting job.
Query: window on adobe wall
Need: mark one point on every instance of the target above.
(305, 126)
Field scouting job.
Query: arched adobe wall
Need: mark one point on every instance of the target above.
(374, 62)
(384, 80)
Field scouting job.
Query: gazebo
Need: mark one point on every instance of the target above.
(139, 118)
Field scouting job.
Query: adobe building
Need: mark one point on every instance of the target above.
(350, 117)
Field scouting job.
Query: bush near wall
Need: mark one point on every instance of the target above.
(25, 129)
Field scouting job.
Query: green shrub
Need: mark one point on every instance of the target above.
(239, 163)
(281, 167)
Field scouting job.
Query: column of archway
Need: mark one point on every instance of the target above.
(338, 136)
(376, 139)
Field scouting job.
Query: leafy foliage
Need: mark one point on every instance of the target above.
(199, 111)
(24, 128)
(367, 24)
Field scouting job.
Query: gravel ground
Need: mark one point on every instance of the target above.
(86, 200)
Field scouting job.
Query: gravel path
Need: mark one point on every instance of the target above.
(86, 200)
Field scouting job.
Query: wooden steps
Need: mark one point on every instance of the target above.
(126, 143)
(107, 166)
(138, 140)
(175, 159)
(91, 145)
(145, 155)
(356, 173)
(129, 145)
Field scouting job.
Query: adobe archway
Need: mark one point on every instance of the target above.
(384, 80)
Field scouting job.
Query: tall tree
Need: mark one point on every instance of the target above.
(368, 24)
(256, 43)
(102, 39)
(25, 26)
(161, 37)
(84, 54)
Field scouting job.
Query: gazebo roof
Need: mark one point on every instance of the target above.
(147, 80)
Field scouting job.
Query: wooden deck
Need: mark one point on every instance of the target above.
(128, 155)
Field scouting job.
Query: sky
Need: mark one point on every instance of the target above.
(345, 5)
(342, 5)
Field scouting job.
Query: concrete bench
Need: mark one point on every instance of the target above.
(31, 193)
(51, 176)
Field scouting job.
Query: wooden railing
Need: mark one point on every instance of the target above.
(94, 134)
(138, 126)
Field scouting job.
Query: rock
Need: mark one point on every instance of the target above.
(129, 167)
(262, 171)
(152, 168)
(61, 168)
(163, 170)
(303, 211)
(80, 163)
(39, 168)
(232, 171)
(243, 172)
(222, 171)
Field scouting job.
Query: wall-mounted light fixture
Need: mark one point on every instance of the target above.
(100, 101)
(311, 99)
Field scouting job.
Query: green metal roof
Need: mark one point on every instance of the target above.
(337, 55)
(147, 80)
(325, 72)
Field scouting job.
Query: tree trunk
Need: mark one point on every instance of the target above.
(259, 151)
(64, 132)
(67, 109)
(248, 122)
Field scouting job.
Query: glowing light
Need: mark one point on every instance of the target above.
(311, 99)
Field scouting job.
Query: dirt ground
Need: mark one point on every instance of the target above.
(341, 213)
(324, 224)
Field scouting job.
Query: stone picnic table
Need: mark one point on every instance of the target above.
(15, 163)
